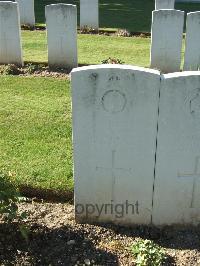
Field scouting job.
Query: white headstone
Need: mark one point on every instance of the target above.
(187, 1)
(10, 34)
(26, 11)
(89, 14)
(177, 176)
(61, 21)
(115, 112)
(192, 46)
(166, 40)
(164, 4)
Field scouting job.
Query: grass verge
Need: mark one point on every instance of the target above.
(92, 49)
(35, 132)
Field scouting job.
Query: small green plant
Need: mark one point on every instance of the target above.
(32, 68)
(9, 198)
(148, 253)
(10, 69)
(112, 61)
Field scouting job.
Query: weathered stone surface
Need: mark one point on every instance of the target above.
(115, 111)
(10, 34)
(166, 40)
(61, 20)
(89, 14)
(26, 11)
(164, 4)
(188, 1)
(177, 180)
(192, 47)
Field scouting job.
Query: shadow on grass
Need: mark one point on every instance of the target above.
(134, 15)
(46, 64)
(50, 247)
(50, 195)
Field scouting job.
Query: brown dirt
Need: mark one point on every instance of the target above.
(55, 239)
(105, 32)
(35, 69)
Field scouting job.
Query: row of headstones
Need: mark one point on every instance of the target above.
(167, 36)
(89, 13)
(61, 21)
(169, 4)
(26, 11)
(136, 145)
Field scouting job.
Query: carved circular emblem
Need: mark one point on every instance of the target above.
(114, 101)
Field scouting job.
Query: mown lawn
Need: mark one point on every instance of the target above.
(35, 131)
(134, 15)
(92, 49)
(35, 113)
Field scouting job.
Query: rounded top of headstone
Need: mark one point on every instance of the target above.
(8, 3)
(89, 1)
(60, 5)
(194, 14)
(181, 74)
(116, 66)
(168, 12)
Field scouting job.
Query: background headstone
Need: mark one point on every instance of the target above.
(10, 34)
(166, 40)
(164, 4)
(192, 45)
(26, 11)
(89, 14)
(115, 112)
(177, 176)
(187, 1)
(61, 21)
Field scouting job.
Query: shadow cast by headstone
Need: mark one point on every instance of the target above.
(57, 246)
(113, 13)
(85, 64)
(47, 195)
(173, 237)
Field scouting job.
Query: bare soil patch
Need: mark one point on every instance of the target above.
(34, 69)
(56, 239)
(86, 30)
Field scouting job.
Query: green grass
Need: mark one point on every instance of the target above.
(35, 113)
(34, 46)
(35, 116)
(35, 131)
(134, 15)
(92, 49)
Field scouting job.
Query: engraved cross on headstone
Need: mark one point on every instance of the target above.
(195, 175)
(113, 171)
